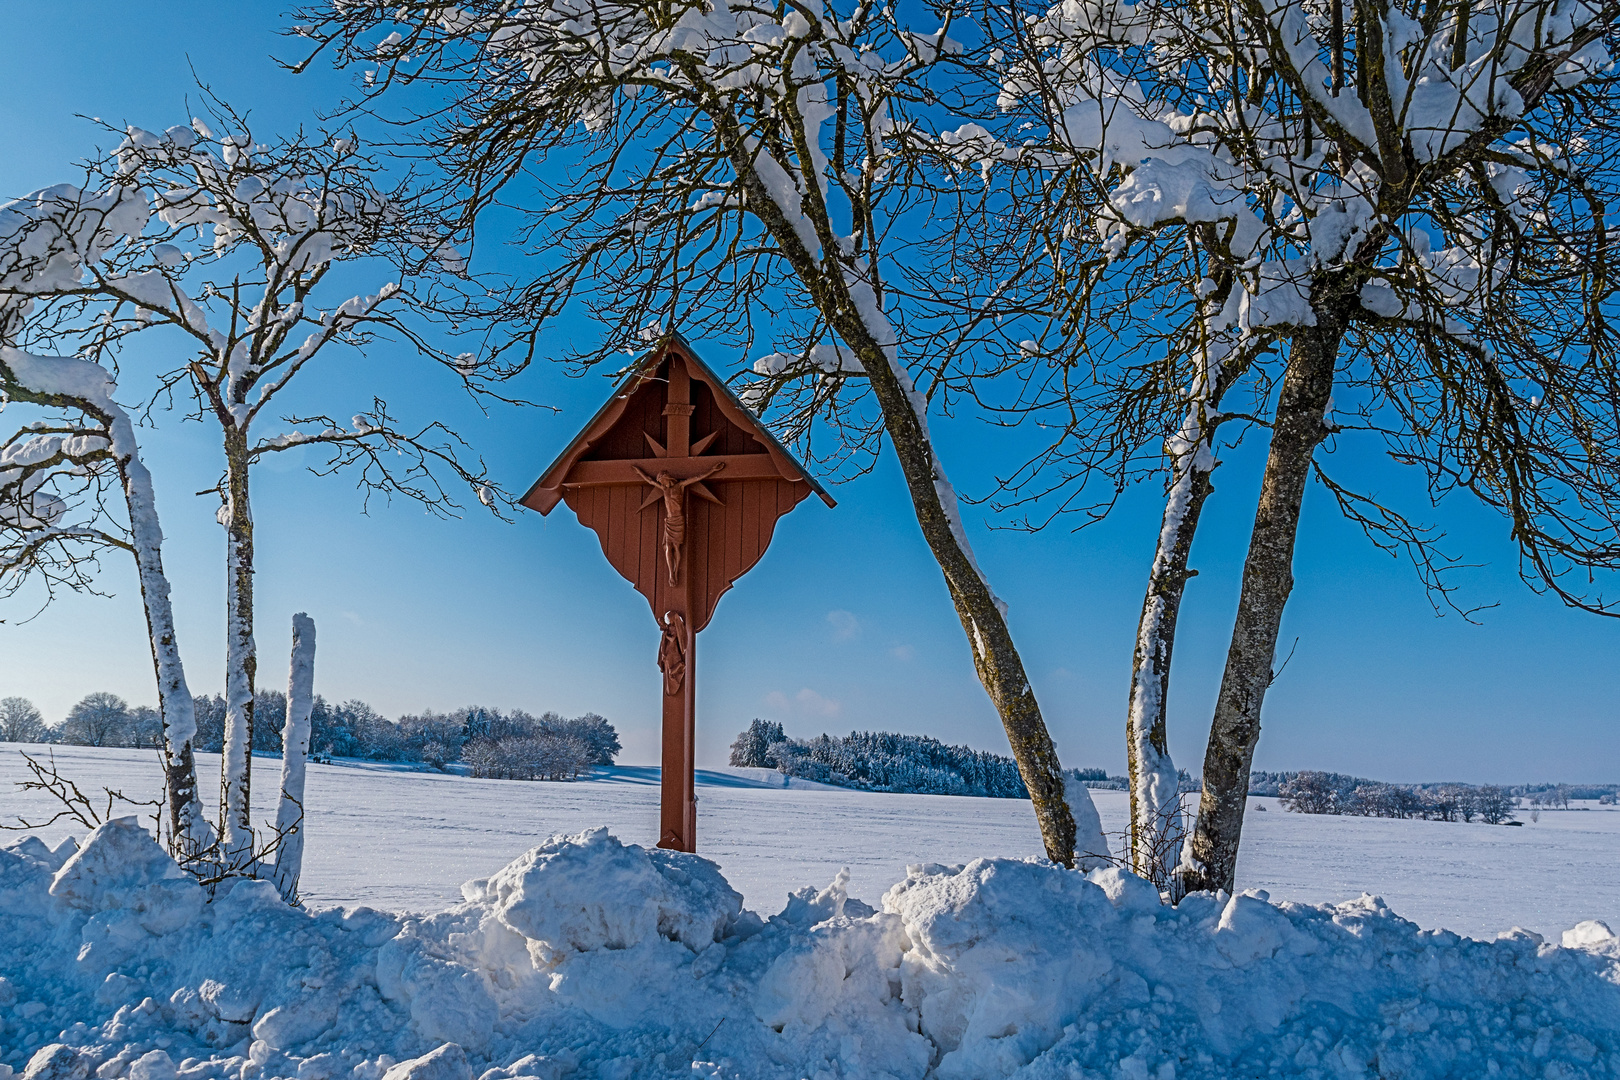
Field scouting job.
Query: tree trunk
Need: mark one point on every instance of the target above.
(995, 657)
(1210, 860)
(853, 308)
(240, 656)
(188, 823)
(294, 750)
(1155, 833)
(28, 378)
(1154, 780)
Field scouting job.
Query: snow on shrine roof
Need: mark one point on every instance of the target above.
(542, 495)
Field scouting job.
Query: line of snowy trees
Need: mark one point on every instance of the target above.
(1332, 793)
(1542, 794)
(885, 761)
(1562, 794)
(98, 719)
(510, 745)
(515, 745)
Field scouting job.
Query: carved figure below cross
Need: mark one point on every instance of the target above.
(672, 653)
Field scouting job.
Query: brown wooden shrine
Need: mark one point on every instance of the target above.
(683, 486)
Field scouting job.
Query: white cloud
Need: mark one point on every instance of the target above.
(811, 703)
(844, 624)
(806, 703)
(903, 652)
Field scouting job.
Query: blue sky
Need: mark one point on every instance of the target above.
(845, 623)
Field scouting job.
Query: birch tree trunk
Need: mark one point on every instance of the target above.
(1210, 860)
(241, 657)
(1154, 780)
(294, 752)
(188, 822)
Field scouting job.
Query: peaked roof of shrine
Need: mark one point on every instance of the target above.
(544, 494)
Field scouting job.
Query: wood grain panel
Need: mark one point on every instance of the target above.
(722, 542)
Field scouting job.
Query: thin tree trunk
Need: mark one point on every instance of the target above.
(853, 309)
(1155, 830)
(188, 822)
(294, 751)
(1210, 860)
(240, 656)
(1154, 780)
(983, 616)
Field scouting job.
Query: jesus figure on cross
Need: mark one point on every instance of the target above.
(673, 492)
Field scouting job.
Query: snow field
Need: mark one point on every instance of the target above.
(587, 957)
(399, 840)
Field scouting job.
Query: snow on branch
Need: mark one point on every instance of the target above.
(1428, 184)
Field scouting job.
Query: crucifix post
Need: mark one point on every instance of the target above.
(677, 652)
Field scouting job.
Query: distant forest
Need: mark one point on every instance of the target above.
(920, 764)
(516, 745)
(509, 746)
(1312, 792)
(885, 761)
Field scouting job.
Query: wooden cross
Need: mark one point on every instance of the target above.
(673, 428)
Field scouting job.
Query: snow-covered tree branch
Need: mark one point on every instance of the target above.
(1409, 203)
(218, 249)
(740, 172)
(54, 473)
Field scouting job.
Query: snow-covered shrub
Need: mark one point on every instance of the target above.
(542, 755)
(451, 735)
(437, 754)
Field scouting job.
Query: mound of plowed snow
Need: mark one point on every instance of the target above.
(591, 958)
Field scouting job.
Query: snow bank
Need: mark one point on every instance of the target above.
(591, 958)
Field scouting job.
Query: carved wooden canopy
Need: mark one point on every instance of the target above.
(681, 482)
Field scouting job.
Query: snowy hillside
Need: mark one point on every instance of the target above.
(587, 957)
(399, 840)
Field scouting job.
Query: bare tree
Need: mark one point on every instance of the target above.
(56, 473)
(234, 268)
(98, 719)
(20, 721)
(1409, 200)
(1310, 793)
(1495, 805)
(741, 172)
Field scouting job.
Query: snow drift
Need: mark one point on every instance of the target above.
(591, 958)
